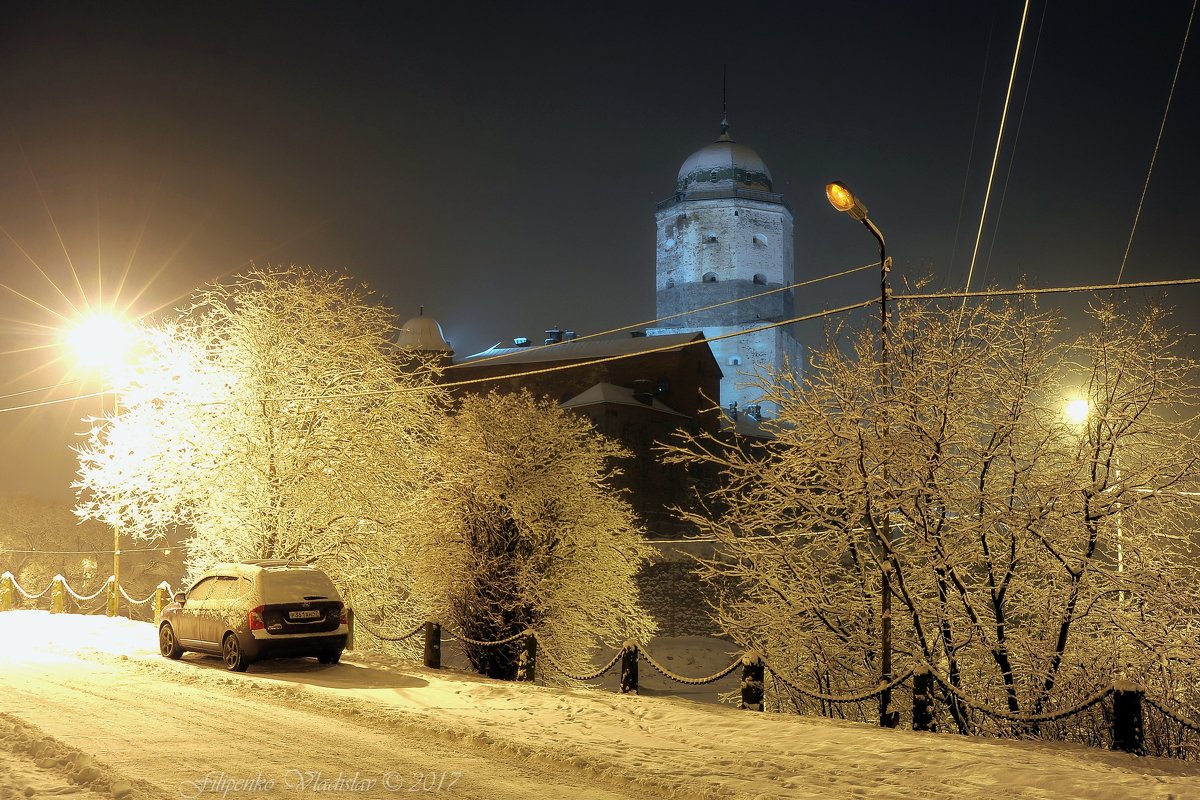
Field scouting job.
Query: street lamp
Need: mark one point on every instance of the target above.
(102, 342)
(1078, 411)
(841, 198)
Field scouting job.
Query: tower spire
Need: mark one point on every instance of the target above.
(724, 104)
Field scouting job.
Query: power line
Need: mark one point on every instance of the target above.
(666, 348)
(643, 324)
(1100, 287)
(999, 140)
(1157, 141)
(59, 401)
(651, 322)
(40, 389)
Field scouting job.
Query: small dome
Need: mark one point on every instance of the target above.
(724, 164)
(423, 334)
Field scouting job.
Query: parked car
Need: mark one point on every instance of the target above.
(257, 610)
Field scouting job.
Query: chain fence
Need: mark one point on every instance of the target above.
(749, 661)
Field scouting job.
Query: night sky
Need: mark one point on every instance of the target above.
(499, 164)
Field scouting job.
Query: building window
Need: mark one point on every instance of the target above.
(709, 277)
(735, 361)
(760, 279)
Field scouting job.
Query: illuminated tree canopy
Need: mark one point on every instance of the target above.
(1033, 558)
(272, 419)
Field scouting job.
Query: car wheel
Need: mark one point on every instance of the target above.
(231, 653)
(330, 658)
(168, 645)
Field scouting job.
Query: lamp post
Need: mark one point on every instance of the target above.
(842, 199)
(1078, 411)
(101, 341)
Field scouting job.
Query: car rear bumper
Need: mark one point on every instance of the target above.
(292, 646)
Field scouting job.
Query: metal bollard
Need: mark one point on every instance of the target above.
(433, 645)
(527, 665)
(58, 594)
(753, 670)
(629, 667)
(7, 592)
(922, 711)
(1127, 729)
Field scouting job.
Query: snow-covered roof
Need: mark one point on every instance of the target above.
(618, 395)
(579, 350)
(423, 334)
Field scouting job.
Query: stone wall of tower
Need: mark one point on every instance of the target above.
(727, 238)
(720, 248)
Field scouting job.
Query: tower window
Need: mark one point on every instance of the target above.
(735, 361)
(709, 277)
(710, 238)
(760, 279)
(760, 239)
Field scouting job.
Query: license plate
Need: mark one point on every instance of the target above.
(311, 614)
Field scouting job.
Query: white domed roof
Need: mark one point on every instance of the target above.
(724, 164)
(424, 334)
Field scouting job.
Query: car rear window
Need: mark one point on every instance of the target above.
(288, 584)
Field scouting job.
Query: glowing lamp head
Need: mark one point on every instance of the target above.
(843, 199)
(101, 341)
(1077, 411)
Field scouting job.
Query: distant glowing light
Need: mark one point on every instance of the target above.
(101, 341)
(1077, 411)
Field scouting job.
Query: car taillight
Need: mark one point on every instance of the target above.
(345, 617)
(256, 619)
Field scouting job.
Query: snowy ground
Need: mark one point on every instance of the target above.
(89, 710)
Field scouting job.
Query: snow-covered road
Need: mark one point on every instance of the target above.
(373, 728)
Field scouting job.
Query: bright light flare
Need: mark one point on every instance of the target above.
(1077, 411)
(102, 341)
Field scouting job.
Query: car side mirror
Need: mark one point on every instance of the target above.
(180, 597)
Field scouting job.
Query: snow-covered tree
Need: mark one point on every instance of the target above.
(1030, 558)
(525, 531)
(272, 418)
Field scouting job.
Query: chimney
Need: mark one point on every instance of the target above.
(568, 336)
(643, 391)
(554, 336)
(520, 341)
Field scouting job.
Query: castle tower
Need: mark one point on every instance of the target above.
(727, 235)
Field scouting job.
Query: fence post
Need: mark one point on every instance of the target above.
(162, 596)
(7, 601)
(1128, 732)
(113, 597)
(58, 594)
(349, 627)
(629, 667)
(527, 665)
(433, 645)
(922, 709)
(753, 670)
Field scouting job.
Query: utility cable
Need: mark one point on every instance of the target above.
(1100, 287)
(1012, 158)
(1158, 140)
(651, 322)
(1103, 287)
(996, 154)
